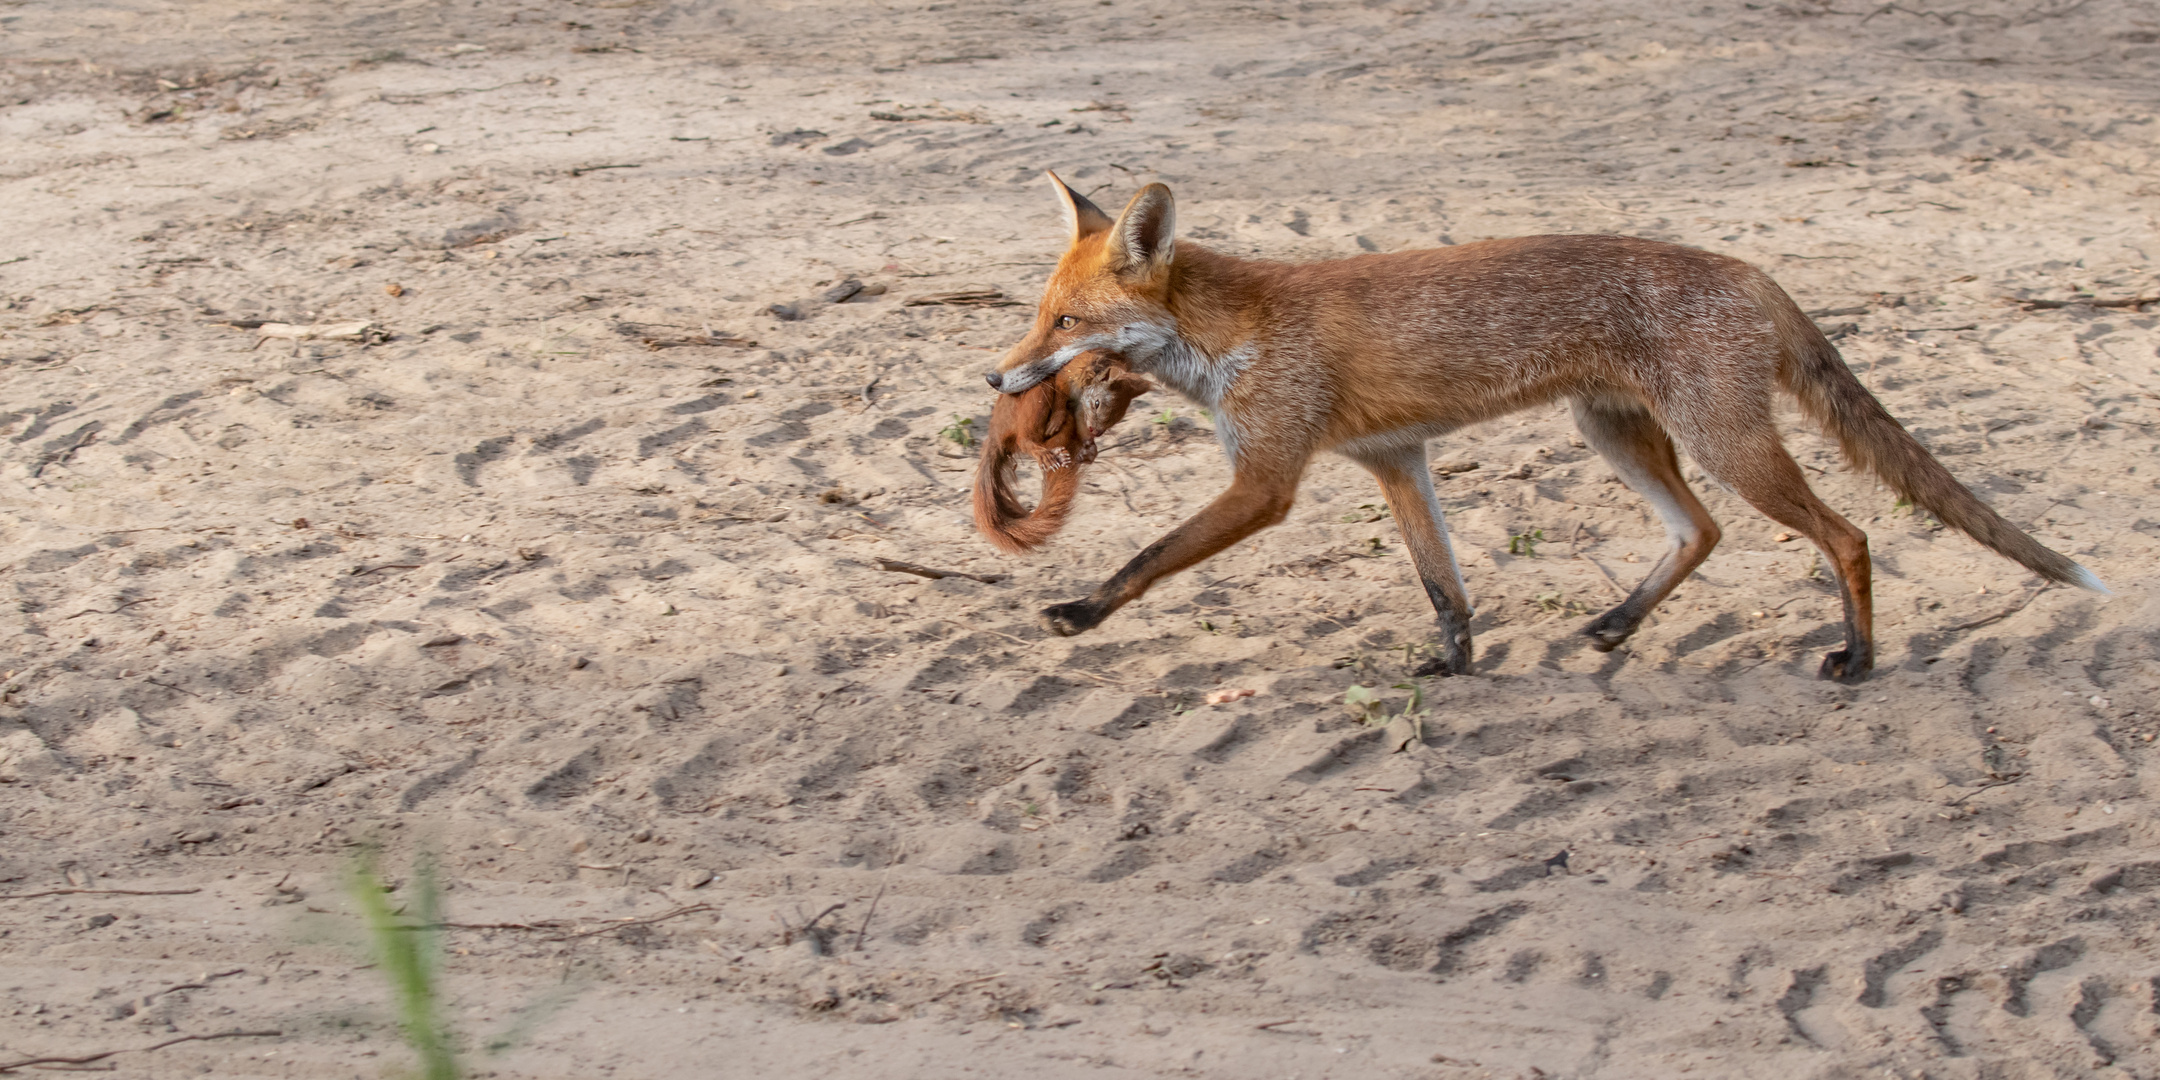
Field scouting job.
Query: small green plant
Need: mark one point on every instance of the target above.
(1373, 546)
(1525, 543)
(1165, 417)
(407, 942)
(1365, 703)
(961, 430)
(1367, 512)
(1209, 626)
(1556, 602)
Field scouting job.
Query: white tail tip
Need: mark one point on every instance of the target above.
(2084, 579)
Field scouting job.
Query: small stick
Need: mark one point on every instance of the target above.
(959, 985)
(2134, 303)
(583, 169)
(203, 985)
(170, 686)
(2001, 615)
(11, 1066)
(545, 924)
(980, 630)
(934, 574)
(806, 927)
(867, 916)
(1103, 679)
(98, 892)
(1273, 1024)
(115, 611)
(619, 924)
(1609, 580)
(1984, 787)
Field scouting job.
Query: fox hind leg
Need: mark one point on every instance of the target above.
(1407, 483)
(1754, 462)
(1638, 449)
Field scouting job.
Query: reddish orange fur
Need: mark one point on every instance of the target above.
(1056, 423)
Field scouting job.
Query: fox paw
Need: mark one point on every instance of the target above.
(1846, 667)
(1443, 666)
(1065, 620)
(1609, 632)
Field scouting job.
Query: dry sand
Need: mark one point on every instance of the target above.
(602, 621)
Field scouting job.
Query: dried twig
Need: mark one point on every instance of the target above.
(620, 923)
(97, 892)
(1983, 787)
(933, 574)
(1609, 579)
(202, 984)
(961, 986)
(2000, 615)
(2134, 303)
(544, 924)
(10, 1066)
(982, 630)
(583, 169)
(966, 298)
(101, 611)
(658, 343)
(352, 330)
(864, 930)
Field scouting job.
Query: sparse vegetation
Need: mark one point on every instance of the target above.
(961, 430)
(407, 945)
(1558, 602)
(1525, 543)
(1370, 709)
(406, 941)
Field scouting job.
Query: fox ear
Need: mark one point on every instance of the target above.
(1143, 240)
(1084, 217)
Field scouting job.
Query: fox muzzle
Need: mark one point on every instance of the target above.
(1024, 377)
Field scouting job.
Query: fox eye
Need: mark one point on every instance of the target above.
(1066, 322)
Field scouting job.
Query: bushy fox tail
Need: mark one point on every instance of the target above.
(1830, 395)
(1023, 422)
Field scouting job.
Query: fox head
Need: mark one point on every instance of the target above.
(1107, 294)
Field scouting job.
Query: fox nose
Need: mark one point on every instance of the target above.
(996, 379)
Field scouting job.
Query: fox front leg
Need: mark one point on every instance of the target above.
(1249, 506)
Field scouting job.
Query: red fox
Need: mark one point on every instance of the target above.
(1372, 356)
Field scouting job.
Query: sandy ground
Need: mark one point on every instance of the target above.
(600, 619)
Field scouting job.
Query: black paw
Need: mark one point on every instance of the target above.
(1454, 659)
(1609, 631)
(1842, 666)
(1065, 620)
(1441, 666)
